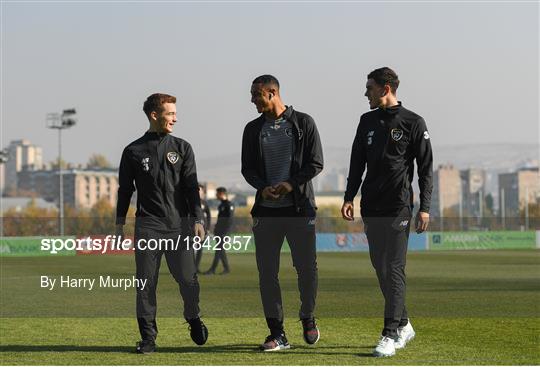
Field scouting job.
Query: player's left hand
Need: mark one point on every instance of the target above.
(422, 221)
(198, 230)
(283, 188)
(347, 210)
(119, 231)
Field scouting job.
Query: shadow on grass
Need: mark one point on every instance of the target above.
(234, 348)
(365, 355)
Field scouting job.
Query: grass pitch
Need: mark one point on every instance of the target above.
(467, 308)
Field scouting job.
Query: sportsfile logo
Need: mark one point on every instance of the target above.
(113, 243)
(110, 243)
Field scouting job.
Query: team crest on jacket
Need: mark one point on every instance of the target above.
(396, 134)
(289, 132)
(172, 157)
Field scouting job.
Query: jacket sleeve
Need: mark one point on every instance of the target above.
(190, 185)
(313, 161)
(424, 162)
(249, 154)
(357, 165)
(126, 187)
(208, 216)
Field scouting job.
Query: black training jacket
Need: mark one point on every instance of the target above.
(225, 218)
(165, 176)
(307, 160)
(388, 141)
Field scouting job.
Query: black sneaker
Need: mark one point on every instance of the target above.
(145, 347)
(198, 331)
(311, 331)
(275, 343)
(226, 271)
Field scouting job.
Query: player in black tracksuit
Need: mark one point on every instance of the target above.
(222, 229)
(281, 153)
(387, 142)
(162, 169)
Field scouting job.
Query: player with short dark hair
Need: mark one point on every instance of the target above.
(267, 80)
(385, 76)
(162, 169)
(281, 153)
(388, 141)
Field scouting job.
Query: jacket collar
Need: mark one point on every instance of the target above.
(152, 135)
(391, 111)
(288, 114)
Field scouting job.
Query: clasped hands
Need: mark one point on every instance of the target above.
(278, 190)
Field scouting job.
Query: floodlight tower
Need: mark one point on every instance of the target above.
(61, 121)
(4, 156)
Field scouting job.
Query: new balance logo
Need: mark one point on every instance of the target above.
(370, 135)
(146, 164)
(404, 223)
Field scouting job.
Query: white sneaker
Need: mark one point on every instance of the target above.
(385, 347)
(405, 335)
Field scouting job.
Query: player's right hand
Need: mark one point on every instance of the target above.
(422, 221)
(347, 210)
(198, 230)
(269, 193)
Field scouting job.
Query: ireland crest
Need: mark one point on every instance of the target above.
(172, 157)
(396, 134)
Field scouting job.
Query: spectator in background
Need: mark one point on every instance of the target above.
(222, 228)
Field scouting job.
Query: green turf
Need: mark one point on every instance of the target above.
(476, 307)
(233, 341)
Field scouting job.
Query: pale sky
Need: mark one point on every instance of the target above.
(470, 69)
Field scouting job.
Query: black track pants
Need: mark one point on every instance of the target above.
(271, 226)
(220, 255)
(388, 238)
(181, 263)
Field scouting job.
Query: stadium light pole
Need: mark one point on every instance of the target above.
(527, 208)
(461, 211)
(503, 210)
(4, 157)
(441, 212)
(480, 206)
(62, 121)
